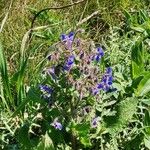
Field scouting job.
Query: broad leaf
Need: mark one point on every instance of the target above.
(144, 85)
(46, 143)
(125, 111)
(137, 59)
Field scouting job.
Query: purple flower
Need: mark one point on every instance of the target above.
(106, 81)
(63, 37)
(51, 71)
(99, 54)
(94, 122)
(100, 51)
(109, 70)
(71, 35)
(68, 39)
(57, 125)
(78, 42)
(95, 91)
(70, 60)
(46, 89)
(69, 63)
(86, 110)
(100, 86)
(97, 58)
(81, 55)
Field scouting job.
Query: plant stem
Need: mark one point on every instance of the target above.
(73, 141)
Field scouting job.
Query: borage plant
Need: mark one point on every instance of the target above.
(73, 84)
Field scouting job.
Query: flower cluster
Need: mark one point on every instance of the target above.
(107, 79)
(75, 60)
(106, 82)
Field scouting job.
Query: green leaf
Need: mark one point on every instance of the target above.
(46, 143)
(146, 101)
(144, 15)
(125, 110)
(23, 137)
(147, 142)
(86, 141)
(128, 16)
(82, 130)
(147, 122)
(144, 85)
(137, 57)
(31, 96)
(138, 29)
(5, 80)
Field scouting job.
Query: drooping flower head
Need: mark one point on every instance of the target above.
(69, 63)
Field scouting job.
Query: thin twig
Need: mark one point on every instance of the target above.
(50, 8)
(85, 19)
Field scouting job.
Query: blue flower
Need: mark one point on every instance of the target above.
(106, 81)
(109, 71)
(99, 54)
(71, 35)
(63, 37)
(100, 86)
(68, 40)
(57, 125)
(69, 63)
(70, 60)
(100, 51)
(46, 89)
(97, 57)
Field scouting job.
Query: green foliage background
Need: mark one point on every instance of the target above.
(122, 26)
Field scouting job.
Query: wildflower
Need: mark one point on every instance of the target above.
(95, 91)
(57, 125)
(51, 71)
(94, 122)
(109, 71)
(69, 63)
(86, 110)
(106, 81)
(100, 51)
(78, 42)
(68, 40)
(99, 54)
(46, 89)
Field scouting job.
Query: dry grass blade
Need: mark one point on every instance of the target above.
(5, 18)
